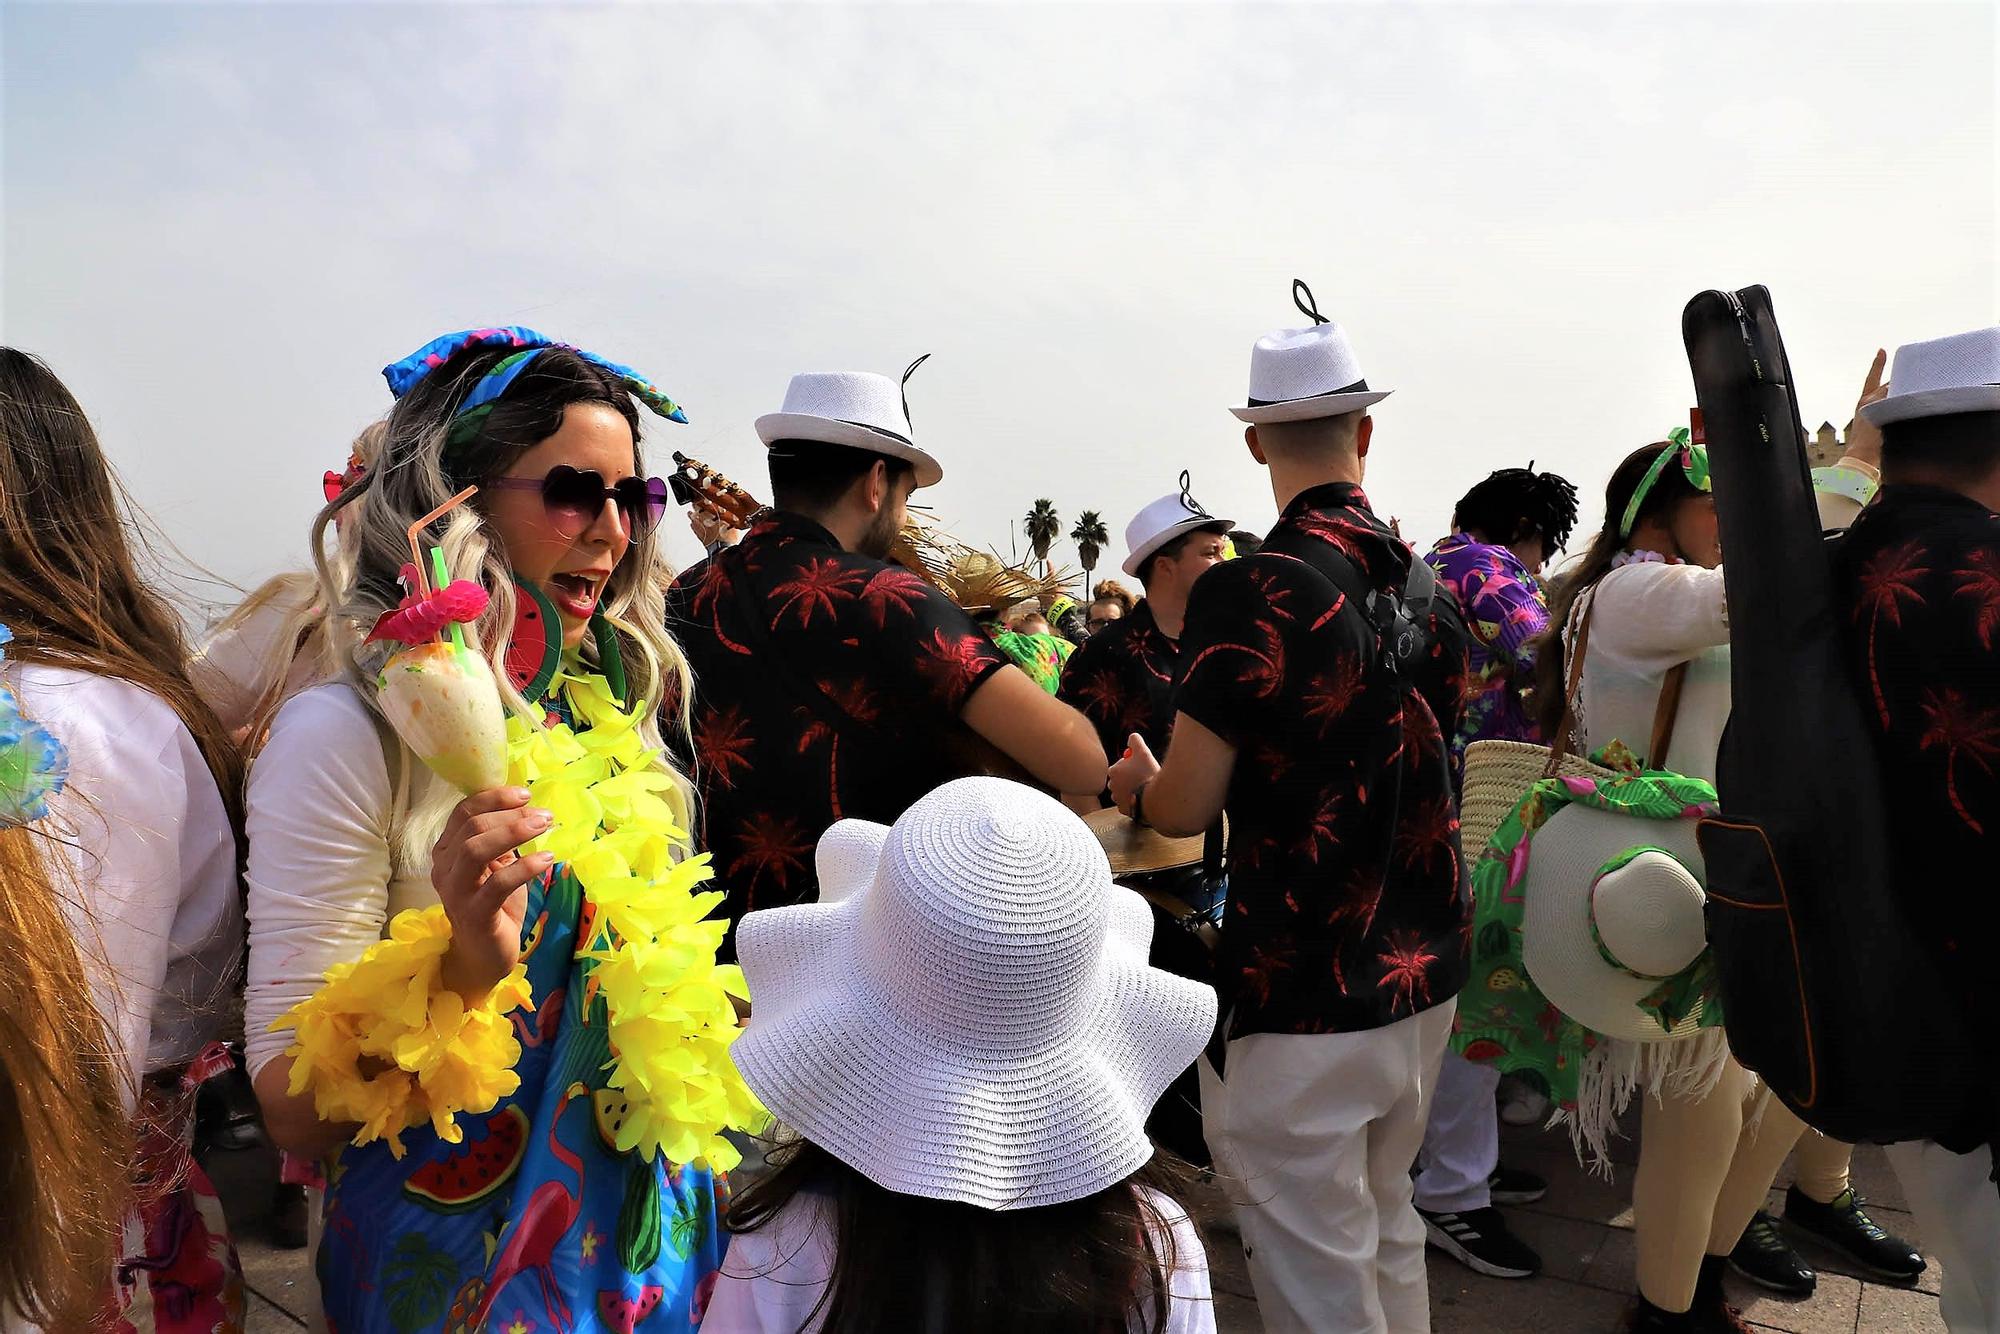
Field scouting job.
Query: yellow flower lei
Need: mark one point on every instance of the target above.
(617, 828)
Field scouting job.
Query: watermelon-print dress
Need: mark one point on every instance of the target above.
(533, 1224)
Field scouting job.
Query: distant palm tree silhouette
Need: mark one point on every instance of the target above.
(1090, 537)
(1043, 526)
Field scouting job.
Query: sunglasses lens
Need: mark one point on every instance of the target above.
(572, 497)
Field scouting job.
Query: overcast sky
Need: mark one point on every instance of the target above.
(221, 221)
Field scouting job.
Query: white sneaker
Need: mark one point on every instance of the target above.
(1521, 1105)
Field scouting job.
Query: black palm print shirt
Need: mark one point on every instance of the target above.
(840, 701)
(1348, 907)
(1122, 679)
(1919, 576)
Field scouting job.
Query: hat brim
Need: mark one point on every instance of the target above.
(1556, 945)
(1193, 523)
(777, 426)
(847, 856)
(922, 1119)
(1933, 403)
(1307, 409)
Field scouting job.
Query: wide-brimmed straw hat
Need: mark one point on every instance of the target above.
(1497, 775)
(1941, 376)
(1613, 913)
(855, 409)
(1301, 374)
(967, 1014)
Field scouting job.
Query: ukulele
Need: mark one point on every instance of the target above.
(695, 483)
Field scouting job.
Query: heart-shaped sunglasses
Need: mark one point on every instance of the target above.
(574, 497)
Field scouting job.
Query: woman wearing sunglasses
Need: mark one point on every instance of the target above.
(535, 1218)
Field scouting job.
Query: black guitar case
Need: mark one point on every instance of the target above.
(1826, 993)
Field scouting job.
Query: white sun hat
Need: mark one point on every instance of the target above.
(1613, 909)
(1945, 375)
(1300, 374)
(858, 409)
(1163, 521)
(970, 1016)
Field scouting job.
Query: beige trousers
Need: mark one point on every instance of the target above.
(1705, 1167)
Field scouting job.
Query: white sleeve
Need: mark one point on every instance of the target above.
(1654, 615)
(318, 813)
(772, 1278)
(1191, 1305)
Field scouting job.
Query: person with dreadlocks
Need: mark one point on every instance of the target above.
(1502, 532)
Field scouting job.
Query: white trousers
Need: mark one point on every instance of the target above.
(1462, 1139)
(1958, 1211)
(1313, 1137)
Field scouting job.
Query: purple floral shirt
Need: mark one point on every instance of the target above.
(1504, 610)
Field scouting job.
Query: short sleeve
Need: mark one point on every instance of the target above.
(1443, 677)
(934, 653)
(1233, 648)
(1094, 684)
(319, 805)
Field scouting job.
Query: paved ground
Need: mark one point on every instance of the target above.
(1583, 1230)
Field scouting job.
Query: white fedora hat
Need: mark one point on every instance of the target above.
(858, 409)
(1613, 910)
(1163, 521)
(1945, 375)
(1299, 374)
(970, 1016)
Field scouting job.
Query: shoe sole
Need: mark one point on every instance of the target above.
(1443, 1240)
(1798, 1233)
(1792, 1293)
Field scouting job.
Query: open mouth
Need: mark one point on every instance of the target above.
(576, 594)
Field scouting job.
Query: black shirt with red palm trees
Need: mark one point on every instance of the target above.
(840, 701)
(1348, 907)
(1919, 577)
(1122, 679)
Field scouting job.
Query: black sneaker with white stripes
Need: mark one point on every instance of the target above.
(1511, 1185)
(1479, 1240)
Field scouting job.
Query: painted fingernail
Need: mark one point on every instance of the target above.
(543, 859)
(539, 819)
(517, 795)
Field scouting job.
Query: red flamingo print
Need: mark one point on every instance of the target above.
(550, 1213)
(545, 1021)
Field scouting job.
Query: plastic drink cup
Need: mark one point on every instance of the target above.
(443, 701)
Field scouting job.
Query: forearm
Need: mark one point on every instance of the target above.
(1188, 794)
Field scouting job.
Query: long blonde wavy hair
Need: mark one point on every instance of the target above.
(416, 471)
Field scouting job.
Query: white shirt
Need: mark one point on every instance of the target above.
(771, 1278)
(322, 889)
(148, 838)
(1647, 618)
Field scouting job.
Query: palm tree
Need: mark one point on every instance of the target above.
(1090, 537)
(1043, 526)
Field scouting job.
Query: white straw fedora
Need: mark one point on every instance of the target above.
(858, 409)
(1300, 374)
(971, 1016)
(1613, 909)
(1956, 374)
(1163, 521)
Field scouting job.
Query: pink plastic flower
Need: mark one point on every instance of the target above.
(417, 618)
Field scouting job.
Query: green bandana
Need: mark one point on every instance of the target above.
(1694, 462)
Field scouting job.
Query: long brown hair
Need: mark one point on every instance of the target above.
(907, 1263)
(65, 1177)
(70, 589)
(1668, 491)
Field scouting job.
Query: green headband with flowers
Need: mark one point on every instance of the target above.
(1694, 463)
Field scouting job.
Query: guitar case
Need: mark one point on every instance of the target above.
(1826, 992)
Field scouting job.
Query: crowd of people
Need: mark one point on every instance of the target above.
(801, 942)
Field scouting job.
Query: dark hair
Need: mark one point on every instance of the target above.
(808, 477)
(1957, 446)
(1246, 542)
(70, 587)
(1172, 550)
(1514, 504)
(1667, 492)
(903, 1262)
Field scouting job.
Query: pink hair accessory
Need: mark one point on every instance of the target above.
(424, 616)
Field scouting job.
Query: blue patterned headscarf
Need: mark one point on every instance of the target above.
(408, 373)
(33, 764)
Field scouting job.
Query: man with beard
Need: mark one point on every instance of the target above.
(829, 684)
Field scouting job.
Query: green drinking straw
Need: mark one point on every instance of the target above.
(440, 577)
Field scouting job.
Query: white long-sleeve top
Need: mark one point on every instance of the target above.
(160, 919)
(322, 884)
(772, 1278)
(1646, 618)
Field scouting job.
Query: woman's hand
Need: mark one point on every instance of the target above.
(1864, 442)
(710, 530)
(1132, 772)
(484, 885)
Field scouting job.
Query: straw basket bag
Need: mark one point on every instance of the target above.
(1498, 774)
